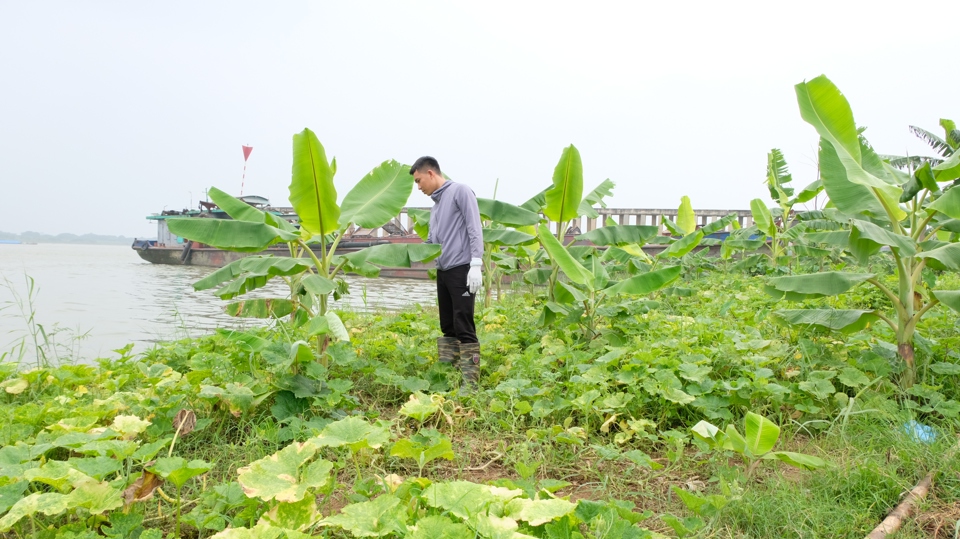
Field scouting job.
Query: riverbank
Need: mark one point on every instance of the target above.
(564, 435)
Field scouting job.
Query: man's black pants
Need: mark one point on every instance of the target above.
(456, 304)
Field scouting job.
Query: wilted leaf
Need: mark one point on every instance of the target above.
(184, 422)
(142, 489)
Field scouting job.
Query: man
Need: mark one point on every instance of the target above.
(455, 225)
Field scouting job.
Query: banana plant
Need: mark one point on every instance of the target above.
(756, 444)
(778, 225)
(915, 217)
(590, 284)
(564, 202)
(314, 270)
(685, 235)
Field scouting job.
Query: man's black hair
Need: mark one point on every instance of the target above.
(425, 163)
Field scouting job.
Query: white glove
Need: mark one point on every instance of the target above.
(475, 275)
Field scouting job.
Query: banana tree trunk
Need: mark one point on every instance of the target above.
(907, 324)
(905, 351)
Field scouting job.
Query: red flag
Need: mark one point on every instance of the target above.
(246, 152)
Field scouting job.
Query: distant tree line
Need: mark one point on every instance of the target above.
(88, 239)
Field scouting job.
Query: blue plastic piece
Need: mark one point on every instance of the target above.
(920, 432)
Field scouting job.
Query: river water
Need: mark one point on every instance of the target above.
(92, 299)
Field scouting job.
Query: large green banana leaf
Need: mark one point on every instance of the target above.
(646, 282)
(762, 217)
(563, 200)
(222, 275)
(537, 276)
(250, 273)
(562, 258)
(948, 203)
(682, 246)
(949, 170)
(808, 193)
(950, 298)
(230, 235)
(686, 218)
(806, 250)
(235, 208)
(823, 106)
(945, 257)
(866, 239)
(566, 293)
(506, 214)
(241, 211)
(318, 285)
(378, 197)
(948, 225)
(499, 236)
(849, 197)
(616, 254)
(312, 192)
(834, 238)
(816, 285)
(793, 233)
(745, 244)
(720, 224)
(260, 308)
(844, 320)
(620, 235)
(394, 255)
(594, 198)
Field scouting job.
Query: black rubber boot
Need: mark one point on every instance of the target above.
(448, 350)
(469, 365)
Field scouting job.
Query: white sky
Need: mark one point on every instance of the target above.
(110, 111)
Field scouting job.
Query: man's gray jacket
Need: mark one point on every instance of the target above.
(455, 225)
